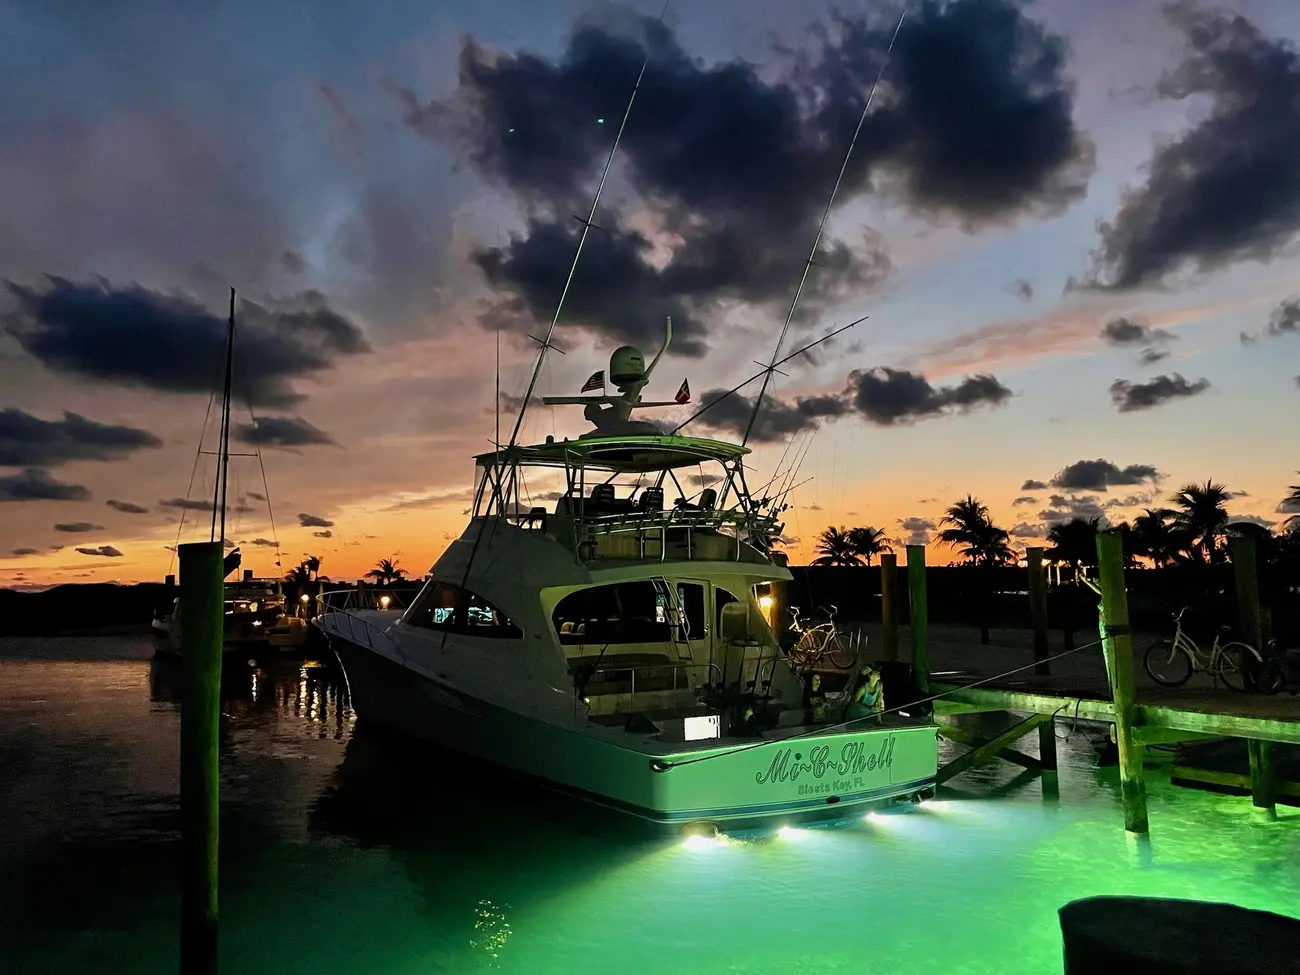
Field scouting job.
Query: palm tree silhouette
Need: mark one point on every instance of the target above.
(1074, 541)
(868, 542)
(835, 548)
(1203, 515)
(981, 541)
(312, 562)
(386, 571)
(1292, 503)
(299, 574)
(1156, 536)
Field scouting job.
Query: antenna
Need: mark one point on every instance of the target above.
(817, 240)
(582, 239)
(497, 439)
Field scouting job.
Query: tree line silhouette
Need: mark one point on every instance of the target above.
(1194, 530)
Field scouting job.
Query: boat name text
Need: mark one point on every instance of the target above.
(855, 757)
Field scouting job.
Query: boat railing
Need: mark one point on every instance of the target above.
(657, 668)
(358, 629)
(683, 527)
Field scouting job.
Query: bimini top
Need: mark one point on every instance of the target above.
(629, 453)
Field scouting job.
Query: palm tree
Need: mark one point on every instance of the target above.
(1074, 541)
(299, 574)
(386, 571)
(981, 541)
(869, 542)
(1292, 503)
(1157, 537)
(1203, 515)
(835, 548)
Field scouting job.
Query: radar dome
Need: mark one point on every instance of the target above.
(626, 366)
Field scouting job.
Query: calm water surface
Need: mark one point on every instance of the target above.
(343, 852)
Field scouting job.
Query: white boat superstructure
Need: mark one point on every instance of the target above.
(616, 646)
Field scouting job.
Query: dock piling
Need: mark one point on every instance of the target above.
(920, 617)
(202, 615)
(1038, 614)
(1245, 573)
(1118, 642)
(888, 588)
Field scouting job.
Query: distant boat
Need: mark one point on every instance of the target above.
(256, 613)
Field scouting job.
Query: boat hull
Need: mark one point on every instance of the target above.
(737, 784)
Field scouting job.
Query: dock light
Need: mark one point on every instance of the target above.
(306, 598)
(383, 601)
(765, 603)
(252, 607)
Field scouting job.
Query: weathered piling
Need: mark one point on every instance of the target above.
(202, 615)
(1038, 615)
(1118, 643)
(1245, 573)
(888, 590)
(920, 617)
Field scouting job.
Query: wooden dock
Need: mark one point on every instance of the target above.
(1139, 716)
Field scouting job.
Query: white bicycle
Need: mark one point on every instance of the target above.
(1172, 662)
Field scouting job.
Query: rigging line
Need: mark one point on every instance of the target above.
(198, 453)
(586, 229)
(823, 729)
(821, 227)
(261, 463)
(758, 375)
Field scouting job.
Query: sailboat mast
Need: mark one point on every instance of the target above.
(223, 451)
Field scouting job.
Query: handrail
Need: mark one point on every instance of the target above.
(672, 665)
(368, 630)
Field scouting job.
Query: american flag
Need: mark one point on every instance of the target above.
(683, 394)
(597, 381)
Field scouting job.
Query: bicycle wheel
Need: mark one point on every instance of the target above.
(1236, 665)
(1272, 677)
(805, 651)
(1167, 665)
(839, 653)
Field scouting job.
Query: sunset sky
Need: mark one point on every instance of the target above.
(1073, 228)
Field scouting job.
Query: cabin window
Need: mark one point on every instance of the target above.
(627, 612)
(443, 606)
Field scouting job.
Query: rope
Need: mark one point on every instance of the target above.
(661, 766)
(198, 452)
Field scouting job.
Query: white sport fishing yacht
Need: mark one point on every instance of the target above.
(616, 647)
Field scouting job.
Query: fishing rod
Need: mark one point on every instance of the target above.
(817, 239)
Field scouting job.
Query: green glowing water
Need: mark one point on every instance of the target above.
(347, 853)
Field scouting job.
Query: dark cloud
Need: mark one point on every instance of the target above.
(313, 521)
(24, 551)
(1148, 357)
(282, 431)
(256, 496)
(1129, 397)
(126, 507)
(918, 530)
(776, 420)
(262, 543)
(1125, 331)
(1023, 289)
(29, 441)
(1024, 499)
(1228, 189)
(1285, 320)
(73, 527)
(1032, 485)
(1099, 474)
(1062, 509)
(974, 122)
(887, 396)
(195, 504)
(323, 534)
(293, 262)
(33, 484)
(132, 336)
(1025, 530)
(104, 551)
